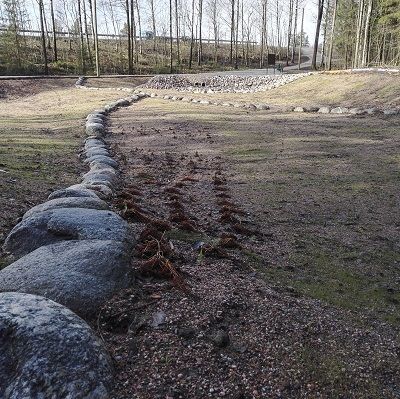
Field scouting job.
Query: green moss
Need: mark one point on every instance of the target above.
(330, 276)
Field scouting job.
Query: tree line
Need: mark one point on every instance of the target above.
(148, 36)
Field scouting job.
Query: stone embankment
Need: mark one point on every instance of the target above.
(221, 83)
(266, 107)
(70, 255)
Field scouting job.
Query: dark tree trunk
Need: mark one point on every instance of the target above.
(53, 25)
(43, 34)
(317, 30)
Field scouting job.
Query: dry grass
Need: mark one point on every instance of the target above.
(323, 186)
(365, 89)
(40, 135)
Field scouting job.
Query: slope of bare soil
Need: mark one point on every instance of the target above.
(16, 88)
(278, 235)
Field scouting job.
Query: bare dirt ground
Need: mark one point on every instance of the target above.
(283, 230)
(116, 82)
(17, 88)
(41, 131)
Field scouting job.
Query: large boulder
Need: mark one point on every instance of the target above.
(80, 275)
(102, 191)
(68, 202)
(102, 159)
(104, 177)
(46, 351)
(55, 225)
(97, 151)
(70, 192)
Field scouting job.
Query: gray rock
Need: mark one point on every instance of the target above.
(102, 159)
(372, 111)
(67, 192)
(98, 126)
(95, 137)
(108, 170)
(99, 177)
(95, 129)
(46, 351)
(90, 152)
(298, 109)
(96, 115)
(80, 275)
(392, 111)
(98, 166)
(123, 102)
(186, 332)
(220, 338)
(69, 202)
(111, 107)
(339, 110)
(92, 146)
(324, 110)
(56, 225)
(262, 107)
(158, 319)
(90, 143)
(94, 119)
(102, 191)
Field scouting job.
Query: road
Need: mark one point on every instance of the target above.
(306, 65)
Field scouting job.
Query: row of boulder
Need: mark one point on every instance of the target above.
(69, 255)
(221, 83)
(263, 106)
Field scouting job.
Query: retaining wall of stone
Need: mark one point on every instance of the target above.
(266, 107)
(70, 254)
(221, 83)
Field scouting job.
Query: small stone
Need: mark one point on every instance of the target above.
(186, 332)
(339, 110)
(158, 319)
(220, 339)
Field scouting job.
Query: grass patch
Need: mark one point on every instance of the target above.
(331, 276)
